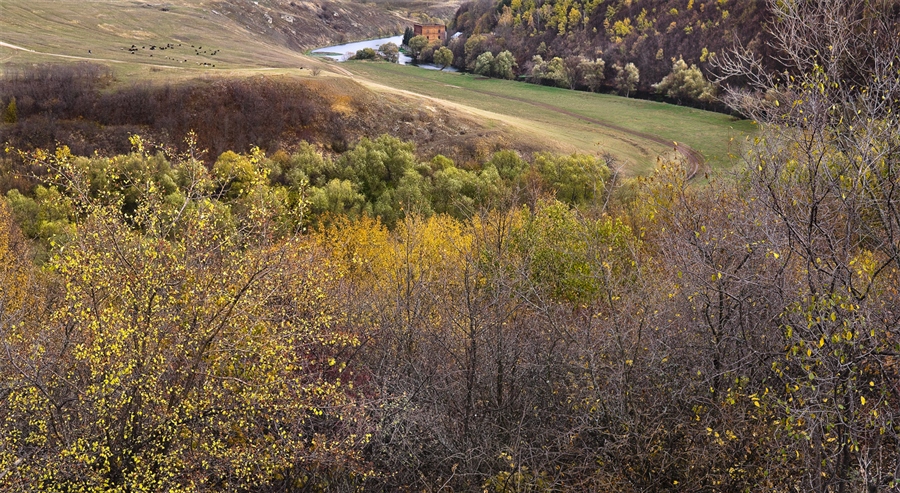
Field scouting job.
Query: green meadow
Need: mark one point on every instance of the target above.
(636, 131)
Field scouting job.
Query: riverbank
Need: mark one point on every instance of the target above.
(343, 52)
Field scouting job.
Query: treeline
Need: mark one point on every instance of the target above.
(666, 49)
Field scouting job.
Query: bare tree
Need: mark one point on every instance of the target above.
(826, 171)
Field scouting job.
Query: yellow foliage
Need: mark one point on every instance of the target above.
(14, 269)
(176, 357)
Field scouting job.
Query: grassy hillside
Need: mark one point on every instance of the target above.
(634, 131)
(105, 32)
(249, 33)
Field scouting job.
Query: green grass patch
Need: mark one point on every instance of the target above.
(636, 131)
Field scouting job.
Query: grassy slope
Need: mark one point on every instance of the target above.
(108, 29)
(552, 118)
(551, 112)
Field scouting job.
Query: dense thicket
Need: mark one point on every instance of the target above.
(71, 104)
(185, 333)
(82, 107)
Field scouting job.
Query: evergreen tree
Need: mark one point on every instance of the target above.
(12, 113)
(407, 35)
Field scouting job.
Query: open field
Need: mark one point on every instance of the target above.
(634, 130)
(105, 31)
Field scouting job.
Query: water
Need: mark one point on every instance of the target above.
(342, 52)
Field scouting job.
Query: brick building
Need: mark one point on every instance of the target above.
(434, 32)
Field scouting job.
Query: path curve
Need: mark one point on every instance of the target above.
(693, 158)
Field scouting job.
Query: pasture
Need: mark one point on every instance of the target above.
(635, 131)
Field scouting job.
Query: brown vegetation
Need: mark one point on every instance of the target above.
(74, 105)
(651, 34)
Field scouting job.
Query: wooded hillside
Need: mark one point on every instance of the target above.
(648, 33)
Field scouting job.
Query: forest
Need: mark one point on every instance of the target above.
(628, 46)
(648, 33)
(362, 319)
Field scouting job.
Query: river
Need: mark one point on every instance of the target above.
(342, 52)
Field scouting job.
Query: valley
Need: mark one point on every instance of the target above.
(181, 41)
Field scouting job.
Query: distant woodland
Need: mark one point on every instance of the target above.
(648, 33)
(359, 318)
(639, 44)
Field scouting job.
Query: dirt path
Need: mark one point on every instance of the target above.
(86, 58)
(692, 157)
(462, 109)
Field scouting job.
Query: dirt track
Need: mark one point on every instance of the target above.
(693, 158)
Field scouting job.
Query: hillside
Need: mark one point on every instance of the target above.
(228, 266)
(264, 28)
(633, 132)
(163, 69)
(648, 33)
(198, 50)
(83, 107)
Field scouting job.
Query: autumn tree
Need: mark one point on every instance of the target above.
(474, 46)
(484, 64)
(11, 115)
(416, 45)
(365, 54)
(17, 289)
(592, 73)
(825, 171)
(503, 65)
(627, 78)
(500, 66)
(686, 83)
(443, 57)
(576, 179)
(184, 349)
(390, 52)
(386, 171)
(553, 70)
